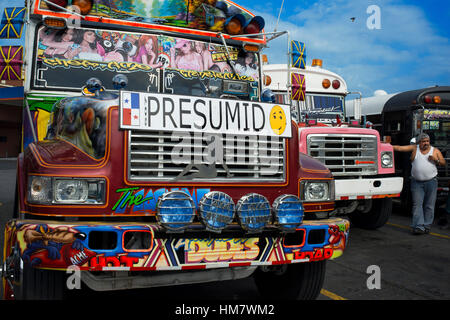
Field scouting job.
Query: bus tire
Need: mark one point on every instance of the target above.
(298, 281)
(377, 216)
(39, 284)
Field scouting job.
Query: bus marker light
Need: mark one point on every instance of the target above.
(255, 25)
(316, 63)
(326, 83)
(354, 123)
(436, 99)
(84, 5)
(250, 48)
(267, 80)
(55, 23)
(234, 25)
(336, 84)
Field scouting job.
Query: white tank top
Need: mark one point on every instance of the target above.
(422, 168)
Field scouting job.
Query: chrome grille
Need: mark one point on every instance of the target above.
(171, 156)
(345, 154)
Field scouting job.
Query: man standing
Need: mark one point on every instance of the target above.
(425, 160)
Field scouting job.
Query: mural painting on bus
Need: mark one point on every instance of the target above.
(195, 14)
(43, 245)
(80, 121)
(98, 49)
(335, 241)
(60, 246)
(130, 52)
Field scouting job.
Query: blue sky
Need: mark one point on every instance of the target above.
(411, 50)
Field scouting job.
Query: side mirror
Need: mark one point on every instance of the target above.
(93, 86)
(120, 81)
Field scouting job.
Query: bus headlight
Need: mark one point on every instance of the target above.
(387, 159)
(59, 190)
(288, 212)
(316, 191)
(216, 210)
(254, 212)
(175, 210)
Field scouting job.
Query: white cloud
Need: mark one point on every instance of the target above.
(406, 53)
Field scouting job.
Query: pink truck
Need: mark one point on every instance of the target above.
(362, 165)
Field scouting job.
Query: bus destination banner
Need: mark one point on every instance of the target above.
(151, 111)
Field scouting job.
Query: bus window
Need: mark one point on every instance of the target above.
(439, 132)
(202, 69)
(328, 103)
(65, 59)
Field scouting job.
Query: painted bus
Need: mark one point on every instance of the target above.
(400, 117)
(150, 158)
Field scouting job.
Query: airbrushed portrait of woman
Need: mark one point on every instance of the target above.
(183, 56)
(58, 43)
(147, 52)
(246, 65)
(90, 48)
(202, 49)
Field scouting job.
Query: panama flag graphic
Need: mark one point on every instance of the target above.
(130, 109)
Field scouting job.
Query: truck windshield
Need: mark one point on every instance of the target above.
(439, 132)
(324, 108)
(65, 59)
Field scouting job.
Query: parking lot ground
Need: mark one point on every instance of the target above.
(410, 266)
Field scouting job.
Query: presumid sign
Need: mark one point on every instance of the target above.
(152, 111)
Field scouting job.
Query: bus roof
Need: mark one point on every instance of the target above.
(171, 16)
(313, 78)
(401, 101)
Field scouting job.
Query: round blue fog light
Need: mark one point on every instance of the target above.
(253, 211)
(288, 212)
(175, 210)
(216, 210)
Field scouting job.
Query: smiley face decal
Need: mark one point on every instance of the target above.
(277, 120)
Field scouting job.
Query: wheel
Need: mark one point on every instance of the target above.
(377, 216)
(38, 284)
(299, 281)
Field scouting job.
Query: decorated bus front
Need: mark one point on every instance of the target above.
(147, 147)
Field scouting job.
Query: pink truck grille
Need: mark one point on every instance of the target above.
(345, 154)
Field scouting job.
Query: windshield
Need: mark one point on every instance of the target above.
(65, 59)
(324, 108)
(436, 124)
(439, 132)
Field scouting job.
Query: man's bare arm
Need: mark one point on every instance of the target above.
(408, 148)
